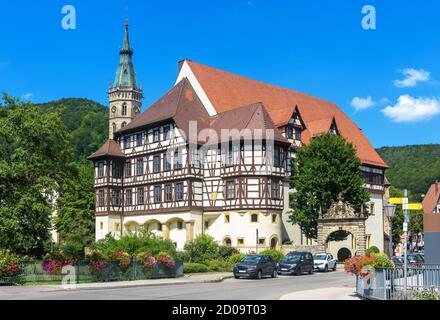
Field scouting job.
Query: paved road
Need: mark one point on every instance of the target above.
(230, 289)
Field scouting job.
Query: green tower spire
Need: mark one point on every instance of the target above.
(125, 75)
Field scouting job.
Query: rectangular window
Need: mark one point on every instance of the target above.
(262, 241)
(157, 194)
(297, 134)
(179, 225)
(159, 226)
(116, 169)
(254, 217)
(140, 169)
(156, 135)
(276, 157)
(274, 190)
(230, 157)
(230, 189)
(127, 169)
(128, 197)
(179, 191)
(156, 164)
(177, 160)
(116, 197)
(372, 208)
(140, 196)
(289, 132)
(168, 192)
(101, 198)
(100, 169)
(274, 218)
(227, 218)
(139, 139)
(126, 142)
(101, 225)
(166, 132)
(167, 161)
(240, 241)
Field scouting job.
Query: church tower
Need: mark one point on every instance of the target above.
(125, 96)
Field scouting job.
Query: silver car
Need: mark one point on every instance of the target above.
(324, 262)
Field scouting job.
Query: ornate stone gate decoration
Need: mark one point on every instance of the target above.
(342, 217)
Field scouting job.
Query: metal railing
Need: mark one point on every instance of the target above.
(390, 283)
(82, 272)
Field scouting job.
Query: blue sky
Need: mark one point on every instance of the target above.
(318, 47)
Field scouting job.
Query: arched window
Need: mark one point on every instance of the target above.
(123, 124)
(227, 242)
(124, 109)
(273, 243)
(114, 127)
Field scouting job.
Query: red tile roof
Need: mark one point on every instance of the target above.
(110, 148)
(431, 198)
(227, 91)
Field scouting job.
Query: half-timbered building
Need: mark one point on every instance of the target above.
(213, 156)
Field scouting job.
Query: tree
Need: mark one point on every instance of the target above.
(76, 206)
(34, 164)
(324, 170)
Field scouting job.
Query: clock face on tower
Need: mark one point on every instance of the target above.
(113, 109)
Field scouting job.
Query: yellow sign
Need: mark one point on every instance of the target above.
(409, 206)
(396, 200)
(415, 206)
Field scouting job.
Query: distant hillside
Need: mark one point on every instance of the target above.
(86, 120)
(412, 167)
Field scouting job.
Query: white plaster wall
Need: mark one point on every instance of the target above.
(240, 226)
(374, 223)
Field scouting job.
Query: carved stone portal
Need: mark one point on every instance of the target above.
(342, 217)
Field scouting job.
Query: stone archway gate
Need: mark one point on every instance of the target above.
(342, 217)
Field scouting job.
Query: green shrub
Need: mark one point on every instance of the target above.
(202, 248)
(134, 244)
(191, 267)
(372, 249)
(276, 254)
(226, 251)
(73, 248)
(381, 260)
(182, 256)
(219, 265)
(236, 258)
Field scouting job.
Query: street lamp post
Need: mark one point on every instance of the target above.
(390, 209)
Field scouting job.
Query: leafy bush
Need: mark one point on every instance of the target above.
(182, 256)
(372, 249)
(202, 248)
(191, 267)
(219, 265)
(236, 258)
(166, 259)
(11, 266)
(73, 248)
(431, 293)
(381, 260)
(133, 245)
(276, 254)
(226, 251)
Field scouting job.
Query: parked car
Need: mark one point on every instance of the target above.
(296, 263)
(324, 262)
(256, 266)
(412, 258)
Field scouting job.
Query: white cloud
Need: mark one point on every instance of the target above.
(412, 77)
(362, 103)
(27, 96)
(410, 109)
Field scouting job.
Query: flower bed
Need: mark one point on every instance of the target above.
(11, 267)
(362, 265)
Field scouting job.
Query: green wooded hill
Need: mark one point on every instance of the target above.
(413, 167)
(86, 120)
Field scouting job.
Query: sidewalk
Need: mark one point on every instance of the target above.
(331, 293)
(188, 278)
